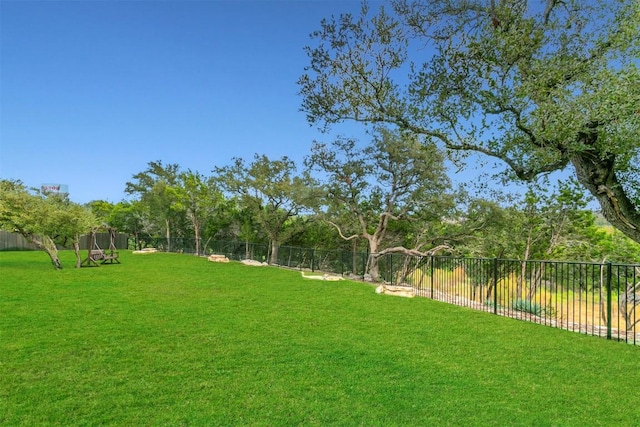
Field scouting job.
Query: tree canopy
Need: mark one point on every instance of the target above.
(272, 190)
(156, 187)
(542, 87)
(392, 179)
(43, 219)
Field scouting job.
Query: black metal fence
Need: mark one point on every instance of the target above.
(601, 299)
(334, 261)
(589, 298)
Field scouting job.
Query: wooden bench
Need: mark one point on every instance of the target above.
(96, 255)
(110, 257)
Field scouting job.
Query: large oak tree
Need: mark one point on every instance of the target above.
(542, 86)
(272, 190)
(156, 188)
(198, 196)
(393, 179)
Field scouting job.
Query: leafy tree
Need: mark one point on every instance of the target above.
(236, 222)
(70, 221)
(539, 87)
(619, 248)
(598, 243)
(543, 224)
(390, 180)
(24, 212)
(157, 188)
(549, 223)
(313, 232)
(131, 218)
(495, 239)
(102, 210)
(199, 198)
(462, 221)
(271, 190)
(219, 224)
(43, 219)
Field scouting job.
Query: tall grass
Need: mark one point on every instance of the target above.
(168, 339)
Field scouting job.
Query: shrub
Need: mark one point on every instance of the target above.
(528, 306)
(490, 303)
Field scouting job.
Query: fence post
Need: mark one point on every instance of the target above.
(432, 273)
(495, 286)
(609, 308)
(364, 265)
(313, 259)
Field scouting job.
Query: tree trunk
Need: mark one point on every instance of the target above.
(168, 234)
(536, 280)
(372, 262)
(76, 248)
(197, 232)
(373, 268)
(273, 258)
(597, 174)
(409, 265)
(523, 267)
(354, 256)
(48, 245)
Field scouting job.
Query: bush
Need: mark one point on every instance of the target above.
(528, 306)
(490, 303)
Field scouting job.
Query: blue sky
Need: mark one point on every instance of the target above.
(91, 91)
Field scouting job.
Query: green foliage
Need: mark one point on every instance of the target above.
(272, 191)
(386, 192)
(357, 193)
(490, 303)
(539, 88)
(102, 211)
(528, 306)
(43, 219)
(199, 198)
(130, 217)
(156, 188)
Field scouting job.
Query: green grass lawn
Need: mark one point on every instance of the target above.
(172, 340)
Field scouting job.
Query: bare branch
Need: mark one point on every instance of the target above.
(413, 252)
(340, 231)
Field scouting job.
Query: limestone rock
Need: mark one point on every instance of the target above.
(253, 263)
(400, 291)
(323, 277)
(218, 258)
(146, 251)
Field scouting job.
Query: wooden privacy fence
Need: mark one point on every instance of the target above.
(16, 242)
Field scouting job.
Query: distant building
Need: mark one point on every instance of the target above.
(54, 188)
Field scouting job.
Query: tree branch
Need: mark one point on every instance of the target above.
(340, 231)
(413, 252)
